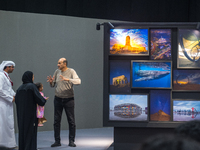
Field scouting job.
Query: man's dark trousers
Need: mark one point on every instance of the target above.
(68, 105)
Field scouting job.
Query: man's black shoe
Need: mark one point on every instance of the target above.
(71, 144)
(55, 144)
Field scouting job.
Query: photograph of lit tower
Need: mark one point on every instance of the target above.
(129, 41)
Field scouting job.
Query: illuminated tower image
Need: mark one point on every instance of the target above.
(128, 43)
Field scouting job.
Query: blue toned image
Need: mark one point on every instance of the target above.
(186, 80)
(160, 105)
(128, 107)
(151, 74)
(120, 76)
(186, 110)
(161, 44)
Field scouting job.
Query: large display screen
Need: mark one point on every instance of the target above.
(129, 42)
(188, 48)
(161, 44)
(120, 76)
(186, 110)
(128, 107)
(151, 74)
(160, 105)
(186, 80)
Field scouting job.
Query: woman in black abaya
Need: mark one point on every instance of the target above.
(26, 99)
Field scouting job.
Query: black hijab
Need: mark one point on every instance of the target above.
(27, 77)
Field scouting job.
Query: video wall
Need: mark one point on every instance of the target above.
(148, 68)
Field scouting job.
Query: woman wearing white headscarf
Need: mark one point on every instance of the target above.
(7, 133)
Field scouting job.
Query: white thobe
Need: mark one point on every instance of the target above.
(7, 133)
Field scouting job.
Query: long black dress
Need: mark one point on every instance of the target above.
(26, 99)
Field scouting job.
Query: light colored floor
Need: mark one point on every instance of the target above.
(86, 139)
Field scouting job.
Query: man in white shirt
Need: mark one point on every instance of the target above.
(7, 97)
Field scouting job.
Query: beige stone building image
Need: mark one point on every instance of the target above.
(120, 80)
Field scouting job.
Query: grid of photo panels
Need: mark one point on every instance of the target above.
(142, 76)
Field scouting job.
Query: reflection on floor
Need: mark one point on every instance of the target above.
(86, 139)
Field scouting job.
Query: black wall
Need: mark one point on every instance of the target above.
(125, 10)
